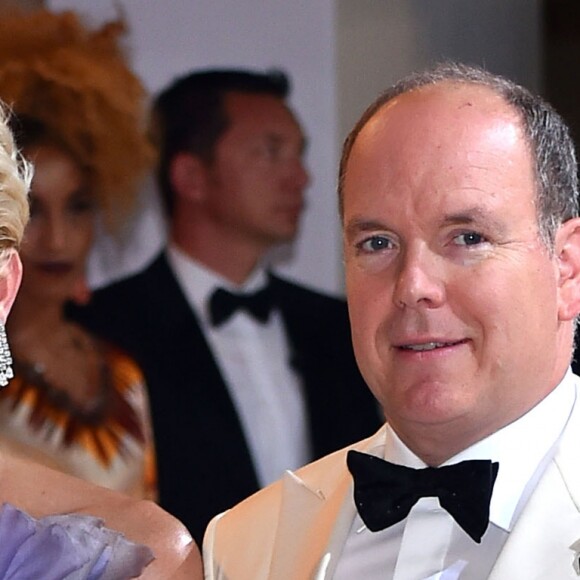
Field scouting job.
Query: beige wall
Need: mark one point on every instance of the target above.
(378, 41)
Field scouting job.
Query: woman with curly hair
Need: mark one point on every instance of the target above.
(76, 404)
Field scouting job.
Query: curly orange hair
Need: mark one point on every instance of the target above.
(78, 85)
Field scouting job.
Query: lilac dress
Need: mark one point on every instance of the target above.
(65, 547)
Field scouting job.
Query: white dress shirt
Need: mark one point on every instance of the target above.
(254, 361)
(429, 544)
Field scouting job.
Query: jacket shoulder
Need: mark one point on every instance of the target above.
(122, 312)
(121, 296)
(243, 537)
(151, 276)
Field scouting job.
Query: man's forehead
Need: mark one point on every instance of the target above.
(459, 99)
(240, 104)
(443, 117)
(444, 142)
(258, 112)
(455, 92)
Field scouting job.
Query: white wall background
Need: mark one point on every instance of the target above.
(340, 55)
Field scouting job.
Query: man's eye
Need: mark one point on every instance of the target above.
(469, 239)
(375, 244)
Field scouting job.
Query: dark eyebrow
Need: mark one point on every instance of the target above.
(279, 139)
(473, 215)
(466, 216)
(357, 225)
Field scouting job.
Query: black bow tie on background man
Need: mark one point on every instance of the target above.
(224, 303)
(384, 493)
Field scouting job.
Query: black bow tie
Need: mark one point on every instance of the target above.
(224, 303)
(384, 493)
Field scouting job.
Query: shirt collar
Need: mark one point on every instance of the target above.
(538, 430)
(198, 282)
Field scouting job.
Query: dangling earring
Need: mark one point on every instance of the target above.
(5, 358)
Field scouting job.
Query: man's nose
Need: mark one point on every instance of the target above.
(420, 282)
(298, 176)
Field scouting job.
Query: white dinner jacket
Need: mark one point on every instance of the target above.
(295, 529)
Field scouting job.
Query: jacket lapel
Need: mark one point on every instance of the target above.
(190, 405)
(542, 543)
(316, 514)
(309, 521)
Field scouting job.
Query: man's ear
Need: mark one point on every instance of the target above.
(10, 277)
(567, 248)
(187, 173)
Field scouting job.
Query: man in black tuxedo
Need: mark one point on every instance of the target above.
(239, 393)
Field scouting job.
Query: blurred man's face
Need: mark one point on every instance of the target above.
(257, 180)
(453, 298)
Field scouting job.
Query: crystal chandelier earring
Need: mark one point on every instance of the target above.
(5, 358)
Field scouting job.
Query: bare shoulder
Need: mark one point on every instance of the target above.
(41, 491)
(191, 568)
(176, 555)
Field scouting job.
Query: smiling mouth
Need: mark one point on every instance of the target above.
(427, 346)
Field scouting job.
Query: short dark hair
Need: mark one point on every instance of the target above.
(190, 115)
(547, 135)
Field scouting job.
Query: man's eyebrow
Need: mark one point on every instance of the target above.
(279, 138)
(357, 225)
(464, 217)
(471, 215)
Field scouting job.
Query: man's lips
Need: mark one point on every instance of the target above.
(429, 345)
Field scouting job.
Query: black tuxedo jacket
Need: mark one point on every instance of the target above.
(204, 464)
(576, 357)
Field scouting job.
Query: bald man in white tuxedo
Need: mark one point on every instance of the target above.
(458, 194)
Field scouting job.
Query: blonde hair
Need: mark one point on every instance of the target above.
(77, 84)
(15, 177)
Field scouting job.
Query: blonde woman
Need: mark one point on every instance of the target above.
(54, 526)
(76, 404)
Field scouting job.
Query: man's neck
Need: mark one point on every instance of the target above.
(235, 266)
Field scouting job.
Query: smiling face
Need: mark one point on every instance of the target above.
(60, 232)
(455, 306)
